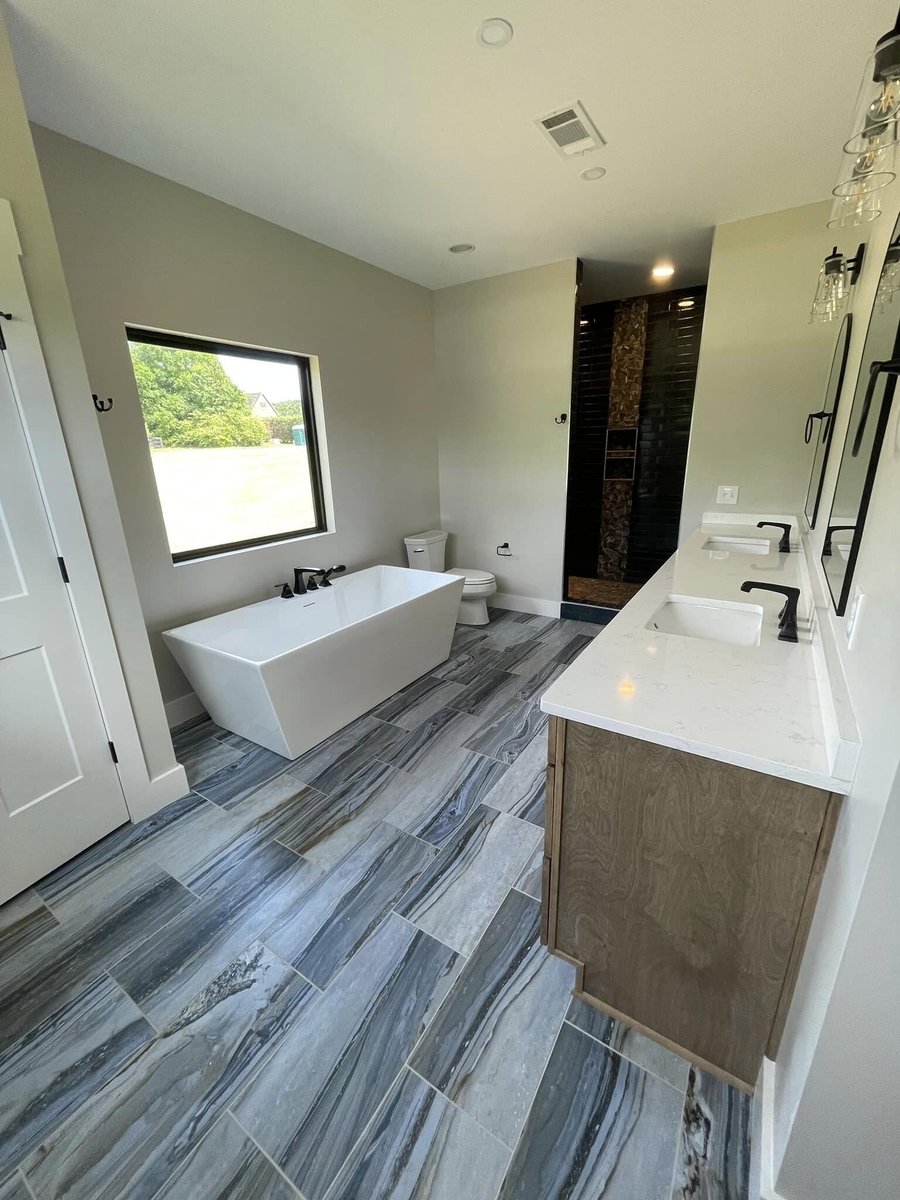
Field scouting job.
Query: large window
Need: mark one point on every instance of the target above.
(232, 439)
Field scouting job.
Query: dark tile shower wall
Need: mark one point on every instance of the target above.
(667, 398)
(672, 350)
(587, 439)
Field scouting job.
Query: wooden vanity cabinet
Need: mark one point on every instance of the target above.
(682, 889)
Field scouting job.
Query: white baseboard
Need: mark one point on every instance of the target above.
(183, 709)
(767, 1134)
(526, 604)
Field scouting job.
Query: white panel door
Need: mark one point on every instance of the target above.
(59, 788)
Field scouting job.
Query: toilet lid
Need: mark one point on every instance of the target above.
(471, 575)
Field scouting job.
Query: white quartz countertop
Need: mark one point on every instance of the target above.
(763, 707)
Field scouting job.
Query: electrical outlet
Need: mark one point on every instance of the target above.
(727, 493)
(853, 614)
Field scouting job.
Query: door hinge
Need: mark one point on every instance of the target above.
(62, 569)
(112, 751)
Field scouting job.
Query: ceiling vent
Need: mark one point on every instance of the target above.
(570, 131)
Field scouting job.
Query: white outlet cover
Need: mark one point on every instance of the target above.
(727, 493)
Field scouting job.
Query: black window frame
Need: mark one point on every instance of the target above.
(177, 341)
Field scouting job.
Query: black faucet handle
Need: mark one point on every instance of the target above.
(784, 546)
(787, 617)
(286, 593)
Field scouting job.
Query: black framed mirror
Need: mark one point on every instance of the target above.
(820, 425)
(862, 446)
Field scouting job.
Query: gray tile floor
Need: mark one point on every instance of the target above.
(324, 979)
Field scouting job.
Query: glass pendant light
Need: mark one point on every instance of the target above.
(831, 289)
(836, 277)
(869, 152)
(889, 283)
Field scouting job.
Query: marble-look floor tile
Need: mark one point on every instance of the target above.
(466, 665)
(417, 702)
(573, 647)
(487, 1047)
(713, 1160)
(46, 974)
(352, 1043)
(361, 802)
(205, 758)
(529, 880)
(629, 1043)
(23, 920)
(227, 1165)
(98, 871)
(425, 751)
(458, 894)
(335, 917)
(62, 1062)
(485, 695)
(235, 781)
(420, 1147)
(191, 732)
(14, 1188)
(535, 683)
(599, 1126)
(141, 1126)
(510, 656)
(240, 899)
(522, 790)
(436, 809)
(340, 755)
(513, 728)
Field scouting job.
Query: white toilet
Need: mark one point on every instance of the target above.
(425, 551)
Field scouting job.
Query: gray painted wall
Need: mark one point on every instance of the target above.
(138, 249)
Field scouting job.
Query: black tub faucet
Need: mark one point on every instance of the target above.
(301, 587)
(784, 546)
(787, 618)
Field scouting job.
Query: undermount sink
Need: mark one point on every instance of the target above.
(711, 620)
(737, 545)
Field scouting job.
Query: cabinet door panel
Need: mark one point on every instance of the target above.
(681, 883)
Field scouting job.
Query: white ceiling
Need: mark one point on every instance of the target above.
(379, 127)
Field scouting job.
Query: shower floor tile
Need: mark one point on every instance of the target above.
(323, 980)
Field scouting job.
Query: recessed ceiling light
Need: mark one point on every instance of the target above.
(462, 248)
(593, 173)
(494, 33)
(662, 271)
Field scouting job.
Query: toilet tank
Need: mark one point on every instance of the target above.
(425, 551)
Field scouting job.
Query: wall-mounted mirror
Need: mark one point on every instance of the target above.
(820, 424)
(862, 446)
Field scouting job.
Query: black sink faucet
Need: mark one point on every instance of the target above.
(784, 546)
(787, 618)
(832, 529)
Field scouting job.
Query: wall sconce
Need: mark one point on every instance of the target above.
(867, 165)
(837, 276)
(889, 283)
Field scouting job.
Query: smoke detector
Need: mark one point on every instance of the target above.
(570, 131)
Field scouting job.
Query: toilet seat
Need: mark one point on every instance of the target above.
(473, 577)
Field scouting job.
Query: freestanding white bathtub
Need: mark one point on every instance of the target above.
(288, 673)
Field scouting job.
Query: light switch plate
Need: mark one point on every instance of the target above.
(727, 493)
